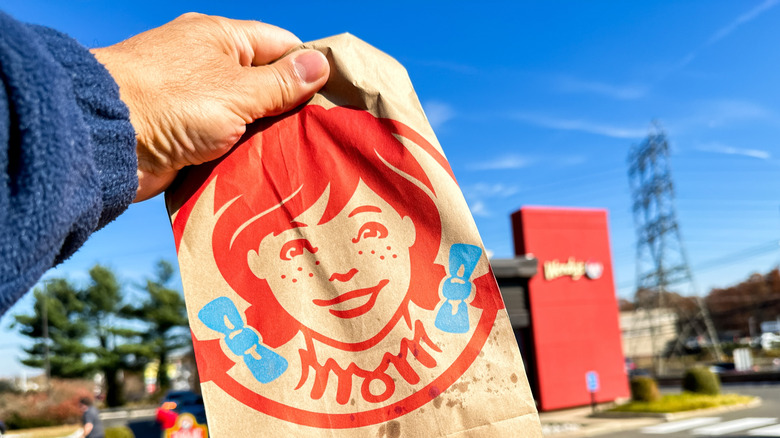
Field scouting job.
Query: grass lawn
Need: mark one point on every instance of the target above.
(685, 401)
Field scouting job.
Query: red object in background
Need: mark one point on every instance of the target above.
(166, 417)
(574, 311)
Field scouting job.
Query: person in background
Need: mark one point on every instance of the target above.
(85, 133)
(90, 420)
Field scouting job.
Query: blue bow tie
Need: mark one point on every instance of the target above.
(453, 315)
(221, 315)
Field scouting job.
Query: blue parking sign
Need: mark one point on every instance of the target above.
(592, 380)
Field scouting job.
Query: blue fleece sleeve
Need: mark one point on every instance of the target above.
(67, 152)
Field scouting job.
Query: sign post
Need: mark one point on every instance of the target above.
(743, 360)
(592, 381)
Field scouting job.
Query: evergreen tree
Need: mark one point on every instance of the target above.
(67, 330)
(116, 348)
(164, 311)
(87, 331)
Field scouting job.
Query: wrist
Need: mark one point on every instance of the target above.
(125, 78)
(151, 178)
(151, 184)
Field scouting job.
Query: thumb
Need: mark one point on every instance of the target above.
(275, 88)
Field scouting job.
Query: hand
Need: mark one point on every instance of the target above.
(192, 86)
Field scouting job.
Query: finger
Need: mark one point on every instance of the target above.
(275, 88)
(261, 43)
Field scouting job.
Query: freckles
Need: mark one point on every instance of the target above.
(311, 274)
(293, 278)
(382, 252)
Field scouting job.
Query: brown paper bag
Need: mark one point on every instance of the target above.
(335, 280)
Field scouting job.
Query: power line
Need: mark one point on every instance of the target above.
(772, 245)
(728, 259)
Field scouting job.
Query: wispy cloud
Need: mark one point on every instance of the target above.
(719, 148)
(489, 190)
(727, 30)
(742, 19)
(569, 84)
(438, 113)
(580, 125)
(685, 60)
(479, 195)
(478, 208)
(723, 111)
(717, 113)
(503, 162)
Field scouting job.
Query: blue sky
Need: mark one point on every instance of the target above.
(535, 103)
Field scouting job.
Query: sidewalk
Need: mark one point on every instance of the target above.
(576, 423)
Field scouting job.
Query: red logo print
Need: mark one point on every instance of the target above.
(342, 307)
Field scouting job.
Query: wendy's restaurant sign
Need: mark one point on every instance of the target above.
(573, 268)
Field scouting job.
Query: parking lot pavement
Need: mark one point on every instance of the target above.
(754, 420)
(578, 422)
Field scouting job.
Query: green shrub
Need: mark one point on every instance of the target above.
(687, 401)
(701, 380)
(644, 389)
(119, 432)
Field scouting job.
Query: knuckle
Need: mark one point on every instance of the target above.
(189, 16)
(283, 88)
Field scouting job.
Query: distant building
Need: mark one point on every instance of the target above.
(647, 332)
(770, 326)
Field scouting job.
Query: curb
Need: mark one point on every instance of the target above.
(575, 429)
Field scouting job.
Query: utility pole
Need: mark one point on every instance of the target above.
(661, 260)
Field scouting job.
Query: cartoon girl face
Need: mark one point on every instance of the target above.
(346, 279)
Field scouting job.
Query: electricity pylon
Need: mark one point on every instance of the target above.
(661, 260)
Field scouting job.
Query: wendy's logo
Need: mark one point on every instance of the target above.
(593, 270)
(339, 302)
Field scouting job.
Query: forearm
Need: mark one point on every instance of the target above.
(66, 152)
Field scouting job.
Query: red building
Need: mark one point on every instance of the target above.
(560, 295)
